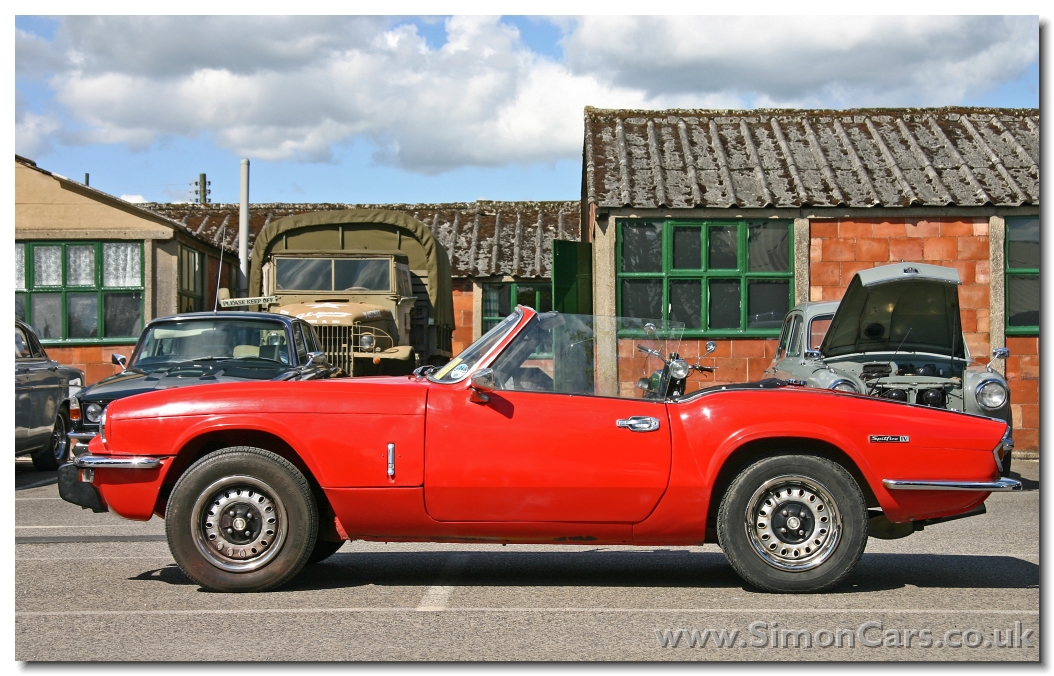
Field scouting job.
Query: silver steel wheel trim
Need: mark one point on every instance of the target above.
(801, 502)
(59, 443)
(245, 503)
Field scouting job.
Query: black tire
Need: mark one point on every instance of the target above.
(323, 550)
(793, 524)
(57, 450)
(266, 525)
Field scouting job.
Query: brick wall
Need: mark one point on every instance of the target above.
(1022, 373)
(737, 361)
(462, 336)
(93, 360)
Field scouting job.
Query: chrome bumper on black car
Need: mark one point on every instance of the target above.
(998, 486)
(79, 441)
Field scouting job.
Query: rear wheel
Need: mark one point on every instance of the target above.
(57, 450)
(241, 520)
(793, 523)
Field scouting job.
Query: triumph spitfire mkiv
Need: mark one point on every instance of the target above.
(542, 431)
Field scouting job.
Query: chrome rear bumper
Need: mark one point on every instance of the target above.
(999, 486)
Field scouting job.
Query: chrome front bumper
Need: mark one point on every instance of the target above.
(117, 462)
(999, 486)
(80, 440)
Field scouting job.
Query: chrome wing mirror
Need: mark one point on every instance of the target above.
(710, 347)
(316, 359)
(997, 353)
(812, 354)
(482, 383)
(119, 360)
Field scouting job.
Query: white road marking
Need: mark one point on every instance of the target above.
(114, 525)
(20, 499)
(737, 610)
(437, 596)
(86, 558)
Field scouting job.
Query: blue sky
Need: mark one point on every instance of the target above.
(440, 109)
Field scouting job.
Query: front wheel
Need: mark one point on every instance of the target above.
(241, 520)
(793, 523)
(57, 450)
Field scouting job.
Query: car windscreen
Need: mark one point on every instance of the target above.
(458, 367)
(333, 274)
(911, 315)
(167, 343)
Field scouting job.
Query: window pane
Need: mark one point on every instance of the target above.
(686, 302)
(818, 331)
(47, 266)
(20, 265)
(361, 275)
(641, 247)
(497, 300)
(527, 295)
(794, 347)
(767, 303)
(20, 306)
(47, 315)
(1022, 301)
(725, 304)
(642, 298)
(124, 314)
(545, 299)
(82, 315)
(768, 247)
(687, 248)
(121, 265)
(1022, 236)
(304, 274)
(724, 249)
(80, 265)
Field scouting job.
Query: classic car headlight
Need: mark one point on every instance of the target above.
(844, 386)
(93, 412)
(366, 342)
(991, 394)
(679, 369)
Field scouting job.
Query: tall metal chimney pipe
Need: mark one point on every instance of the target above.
(243, 233)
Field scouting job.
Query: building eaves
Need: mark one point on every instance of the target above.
(896, 157)
(482, 239)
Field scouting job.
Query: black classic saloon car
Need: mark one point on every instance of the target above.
(203, 348)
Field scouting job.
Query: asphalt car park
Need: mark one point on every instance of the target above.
(97, 587)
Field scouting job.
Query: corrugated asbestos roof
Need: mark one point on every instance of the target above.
(794, 158)
(481, 238)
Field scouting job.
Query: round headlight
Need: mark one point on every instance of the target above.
(991, 394)
(93, 412)
(366, 342)
(679, 369)
(845, 386)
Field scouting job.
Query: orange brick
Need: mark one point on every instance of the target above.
(905, 249)
(1016, 417)
(823, 229)
(969, 320)
(982, 320)
(938, 249)
(1022, 345)
(888, 229)
(756, 367)
(732, 370)
(1024, 391)
(839, 249)
(1013, 367)
(980, 228)
(691, 349)
(1026, 440)
(872, 249)
(1030, 416)
(956, 228)
(832, 293)
(850, 269)
(825, 274)
(966, 270)
(815, 293)
(96, 372)
(91, 355)
(978, 345)
(748, 348)
(981, 272)
(854, 229)
(973, 296)
(922, 229)
(770, 347)
(1030, 366)
(815, 250)
(973, 248)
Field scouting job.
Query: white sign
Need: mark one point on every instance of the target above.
(236, 302)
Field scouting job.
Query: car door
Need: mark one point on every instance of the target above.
(542, 456)
(23, 390)
(42, 390)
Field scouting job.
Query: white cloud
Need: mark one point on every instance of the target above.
(134, 199)
(294, 88)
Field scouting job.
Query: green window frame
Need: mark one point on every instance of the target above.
(1021, 282)
(499, 299)
(191, 280)
(708, 274)
(77, 299)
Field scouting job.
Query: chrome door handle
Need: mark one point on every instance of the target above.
(391, 460)
(639, 423)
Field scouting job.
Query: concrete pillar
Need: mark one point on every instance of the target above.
(477, 309)
(801, 260)
(997, 287)
(604, 266)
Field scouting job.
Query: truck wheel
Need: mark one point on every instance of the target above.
(57, 449)
(323, 550)
(241, 520)
(793, 523)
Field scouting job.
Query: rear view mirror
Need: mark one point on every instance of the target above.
(316, 359)
(710, 346)
(1000, 353)
(119, 360)
(812, 354)
(482, 382)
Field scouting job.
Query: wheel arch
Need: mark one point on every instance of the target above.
(757, 449)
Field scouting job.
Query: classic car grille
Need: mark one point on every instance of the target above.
(339, 342)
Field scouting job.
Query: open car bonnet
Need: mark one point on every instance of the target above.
(910, 307)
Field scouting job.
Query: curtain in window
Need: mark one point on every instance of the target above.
(121, 264)
(20, 266)
(80, 265)
(47, 266)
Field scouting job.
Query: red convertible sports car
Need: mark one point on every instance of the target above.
(551, 428)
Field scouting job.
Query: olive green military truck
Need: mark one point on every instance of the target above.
(375, 285)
